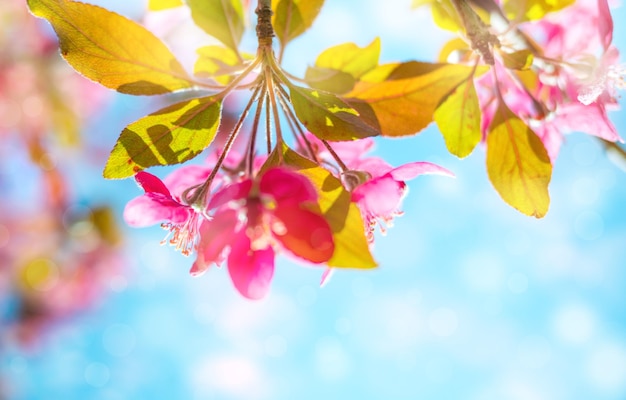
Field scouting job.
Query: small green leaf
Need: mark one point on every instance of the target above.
(222, 19)
(158, 5)
(520, 60)
(327, 116)
(518, 164)
(343, 216)
(169, 136)
(458, 119)
(112, 50)
(405, 102)
(293, 17)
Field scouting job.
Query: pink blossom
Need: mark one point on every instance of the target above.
(377, 188)
(578, 77)
(379, 198)
(579, 39)
(158, 205)
(253, 218)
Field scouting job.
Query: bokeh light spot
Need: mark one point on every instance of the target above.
(589, 225)
(606, 368)
(40, 274)
(574, 324)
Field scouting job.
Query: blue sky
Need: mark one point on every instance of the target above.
(472, 300)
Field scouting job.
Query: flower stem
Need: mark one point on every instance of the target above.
(341, 164)
(264, 28)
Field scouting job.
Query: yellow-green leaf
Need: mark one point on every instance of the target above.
(338, 68)
(222, 19)
(404, 104)
(458, 119)
(520, 60)
(219, 63)
(293, 17)
(445, 16)
(350, 58)
(328, 116)
(380, 73)
(343, 216)
(454, 46)
(111, 49)
(169, 136)
(329, 80)
(157, 5)
(532, 10)
(518, 164)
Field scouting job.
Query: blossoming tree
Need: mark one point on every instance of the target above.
(298, 179)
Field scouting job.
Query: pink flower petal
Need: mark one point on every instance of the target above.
(150, 183)
(153, 208)
(605, 23)
(215, 236)
(285, 185)
(304, 233)
(232, 192)
(412, 170)
(352, 151)
(185, 177)
(380, 197)
(328, 273)
(591, 119)
(375, 166)
(250, 270)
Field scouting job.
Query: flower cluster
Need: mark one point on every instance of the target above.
(571, 80)
(247, 219)
(521, 80)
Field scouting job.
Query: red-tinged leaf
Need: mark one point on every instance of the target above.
(222, 19)
(158, 5)
(405, 102)
(111, 49)
(328, 116)
(293, 17)
(518, 164)
(520, 60)
(458, 119)
(343, 216)
(169, 136)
